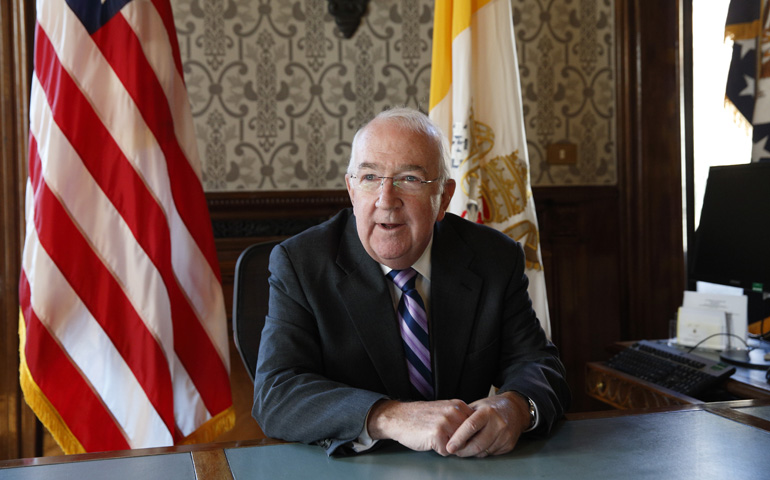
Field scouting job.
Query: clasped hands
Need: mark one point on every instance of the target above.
(489, 426)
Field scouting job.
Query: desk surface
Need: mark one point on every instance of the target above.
(173, 466)
(701, 442)
(685, 444)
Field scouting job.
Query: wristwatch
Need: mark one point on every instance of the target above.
(532, 414)
(532, 411)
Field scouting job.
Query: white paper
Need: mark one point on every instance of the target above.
(706, 287)
(702, 327)
(734, 306)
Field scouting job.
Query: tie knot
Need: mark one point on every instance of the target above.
(404, 279)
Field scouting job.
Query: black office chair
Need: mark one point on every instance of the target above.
(250, 301)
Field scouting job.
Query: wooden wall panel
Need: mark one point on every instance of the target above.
(650, 166)
(579, 236)
(244, 218)
(18, 434)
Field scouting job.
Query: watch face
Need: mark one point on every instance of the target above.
(532, 413)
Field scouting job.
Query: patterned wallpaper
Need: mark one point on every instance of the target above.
(277, 93)
(566, 60)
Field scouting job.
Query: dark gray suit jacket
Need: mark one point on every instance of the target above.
(331, 345)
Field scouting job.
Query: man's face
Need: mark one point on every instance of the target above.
(395, 226)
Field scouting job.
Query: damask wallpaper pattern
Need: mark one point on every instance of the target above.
(277, 93)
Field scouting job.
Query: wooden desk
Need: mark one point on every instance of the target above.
(722, 440)
(627, 392)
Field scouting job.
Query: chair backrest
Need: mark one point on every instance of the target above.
(250, 301)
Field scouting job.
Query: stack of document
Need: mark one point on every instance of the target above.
(713, 320)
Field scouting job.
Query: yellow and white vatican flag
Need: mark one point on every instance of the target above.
(475, 96)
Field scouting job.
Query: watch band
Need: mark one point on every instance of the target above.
(532, 411)
(532, 414)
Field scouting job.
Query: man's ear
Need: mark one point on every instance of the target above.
(351, 190)
(446, 197)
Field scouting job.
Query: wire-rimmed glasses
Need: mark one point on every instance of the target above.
(407, 183)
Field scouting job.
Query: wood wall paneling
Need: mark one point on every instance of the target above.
(579, 237)
(650, 178)
(17, 423)
(241, 219)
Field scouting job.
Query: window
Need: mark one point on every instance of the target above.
(717, 138)
(712, 135)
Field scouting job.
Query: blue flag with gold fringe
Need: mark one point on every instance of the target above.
(748, 80)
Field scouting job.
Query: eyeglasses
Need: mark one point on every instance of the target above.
(413, 184)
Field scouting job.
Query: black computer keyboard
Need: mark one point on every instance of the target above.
(670, 368)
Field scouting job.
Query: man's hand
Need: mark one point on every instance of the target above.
(493, 428)
(419, 426)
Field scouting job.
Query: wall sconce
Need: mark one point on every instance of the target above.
(347, 14)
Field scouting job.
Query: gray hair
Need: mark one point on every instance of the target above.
(416, 122)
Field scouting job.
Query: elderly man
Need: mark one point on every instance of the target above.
(392, 321)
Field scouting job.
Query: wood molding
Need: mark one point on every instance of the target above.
(240, 219)
(649, 166)
(271, 214)
(17, 423)
(579, 239)
(626, 392)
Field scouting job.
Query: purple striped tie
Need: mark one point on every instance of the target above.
(414, 332)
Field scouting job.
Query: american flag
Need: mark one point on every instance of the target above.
(123, 330)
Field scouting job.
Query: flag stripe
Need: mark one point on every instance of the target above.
(102, 296)
(100, 366)
(151, 28)
(122, 50)
(141, 88)
(167, 16)
(97, 219)
(441, 56)
(110, 236)
(119, 258)
(116, 109)
(451, 18)
(55, 303)
(67, 389)
(143, 215)
(156, 30)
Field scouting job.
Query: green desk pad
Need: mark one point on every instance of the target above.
(672, 445)
(172, 466)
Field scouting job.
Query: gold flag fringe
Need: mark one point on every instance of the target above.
(742, 31)
(738, 117)
(223, 422)
(40, 404)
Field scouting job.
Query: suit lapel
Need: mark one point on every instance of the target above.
(455, 293)
(372, 315)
